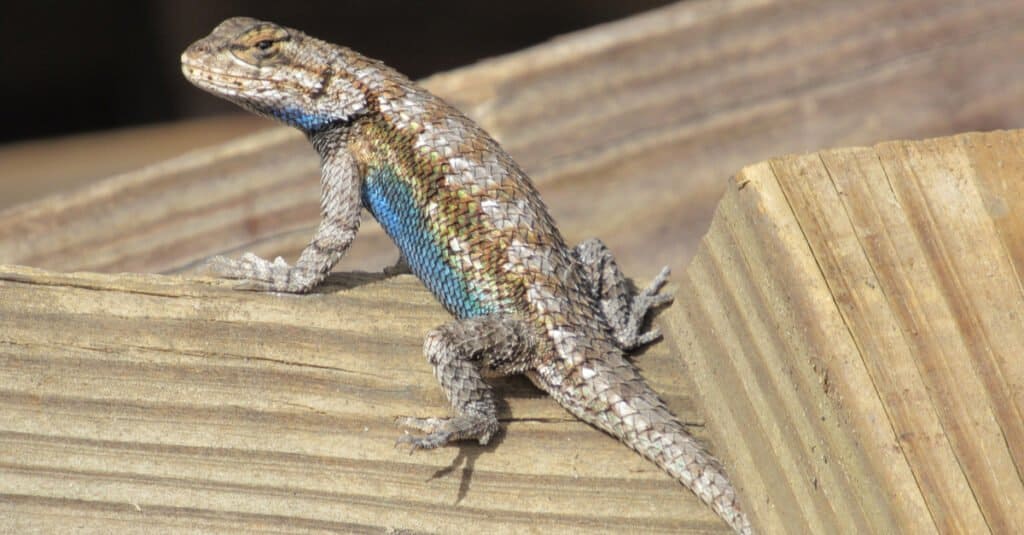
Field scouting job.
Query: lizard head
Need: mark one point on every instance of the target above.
(278, 72)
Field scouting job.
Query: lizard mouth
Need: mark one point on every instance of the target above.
(206, 77)
(223, 81)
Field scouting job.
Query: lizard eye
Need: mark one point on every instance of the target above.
(260, 45)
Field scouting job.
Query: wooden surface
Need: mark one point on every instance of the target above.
(34, 169)
(853, 322)
(852, 336)
(142, 403)
(630, 130)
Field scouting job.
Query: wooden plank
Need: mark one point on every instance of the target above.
(862, 188)
(628, 128)
(855, 316)
(149, 403)
(32, 171)
(980, 368)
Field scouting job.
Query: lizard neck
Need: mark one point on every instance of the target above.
(336, 162)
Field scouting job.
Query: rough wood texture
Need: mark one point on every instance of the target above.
(858, 329)
(852, 321)
(628, 128)
(144, 402)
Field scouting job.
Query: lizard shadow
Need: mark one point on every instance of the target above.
(465, 461)
(348, 280)
(468, 453)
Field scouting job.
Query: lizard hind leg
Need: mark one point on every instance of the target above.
(624, 308)
(460, 351)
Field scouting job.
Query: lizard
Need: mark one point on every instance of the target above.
(471, 225)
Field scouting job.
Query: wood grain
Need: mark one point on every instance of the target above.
(851, 321)
(856, 314)
(142, 403)
(34, 169)
(630, 130)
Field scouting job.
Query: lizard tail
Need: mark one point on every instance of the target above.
(678, 453)
(619, 402)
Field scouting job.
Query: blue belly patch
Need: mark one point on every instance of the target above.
(392, 203)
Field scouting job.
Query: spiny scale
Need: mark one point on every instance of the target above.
(472, 227)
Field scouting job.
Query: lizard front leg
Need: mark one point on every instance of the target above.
(459, 350)
(622, 306)
(340, 207)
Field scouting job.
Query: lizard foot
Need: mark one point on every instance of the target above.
(629, 334)
(442, 431)
(255, 273)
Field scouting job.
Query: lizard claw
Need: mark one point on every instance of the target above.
(428, 442)
(247, 270)
(258, 274)
(629, 324)
(649, 297)
(651, 292)
(223, 266)
(648, 337)
(432, 426)
(442, 431)
(249, 266)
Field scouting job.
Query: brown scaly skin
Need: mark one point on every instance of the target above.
(472, 227)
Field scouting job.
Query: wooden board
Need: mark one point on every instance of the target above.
(630, 130)
(31, 170)
(853, 323)
(145, 403)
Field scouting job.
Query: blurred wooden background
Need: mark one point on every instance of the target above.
(629, 129)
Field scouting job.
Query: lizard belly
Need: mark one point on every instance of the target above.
(393, 204)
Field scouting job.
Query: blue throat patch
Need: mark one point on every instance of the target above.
(392, 203)
(308, 122)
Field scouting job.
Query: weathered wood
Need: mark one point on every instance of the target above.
(33, 169)
(855, 333)
(628, 128)
(151, 403)
(853, 322)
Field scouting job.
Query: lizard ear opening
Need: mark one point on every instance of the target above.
(260, 45)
